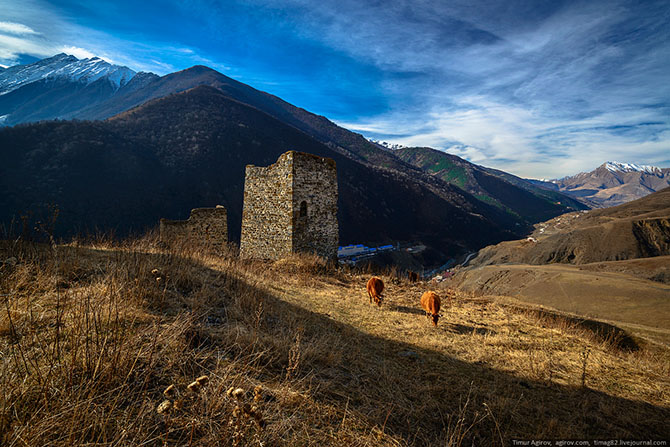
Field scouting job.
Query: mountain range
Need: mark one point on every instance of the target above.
(514, 195)
(168, 144)
(611, 183)
(63, 66)
(63, 87)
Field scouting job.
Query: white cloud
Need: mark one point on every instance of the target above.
(79, 53)
(552, 97)
(163, 65)
(16, 28)
(468, 152)
(12, 46)
(526, 143)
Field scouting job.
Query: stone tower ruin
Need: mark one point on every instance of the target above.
(290, 207)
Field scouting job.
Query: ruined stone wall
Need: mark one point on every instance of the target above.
(315, 228)
(266, 213)
(172, 230)
(207, 227)
(290, 206)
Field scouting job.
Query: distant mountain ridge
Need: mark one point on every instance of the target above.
(512, 194)
(64, 66)
(387, 145)
(62, 87)
(612, 183)
(614, 166)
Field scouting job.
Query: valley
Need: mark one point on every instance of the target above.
(612, 265)
(638, 229)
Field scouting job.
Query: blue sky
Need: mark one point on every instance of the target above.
(538, 88)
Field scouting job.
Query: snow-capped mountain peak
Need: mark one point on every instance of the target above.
(614, 167)
(64, 66)
(384, 144)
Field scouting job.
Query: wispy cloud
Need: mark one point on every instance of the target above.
(16, 28)
(543, 97)
(80, 53)
(11, 47)
(524, 142)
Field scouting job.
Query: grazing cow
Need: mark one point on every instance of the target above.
(413, 276)
(430, 302)
(375, 287)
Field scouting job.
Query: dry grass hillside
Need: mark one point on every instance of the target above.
(102, 345)
(607, 291)
(636, 229)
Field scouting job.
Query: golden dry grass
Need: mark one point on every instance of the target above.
(93, 336)
(634, 303)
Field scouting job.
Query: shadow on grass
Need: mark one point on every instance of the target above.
(602, 331)
(406, 310)
(424, 414)
(425, 402)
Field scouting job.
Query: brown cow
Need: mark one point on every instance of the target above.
(412, 276)
(430, 302)
(375, 287)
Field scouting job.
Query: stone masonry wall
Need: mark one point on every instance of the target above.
(172, 231)
(290, 206)
(266, 213)
(315, 228)
(205, 226)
